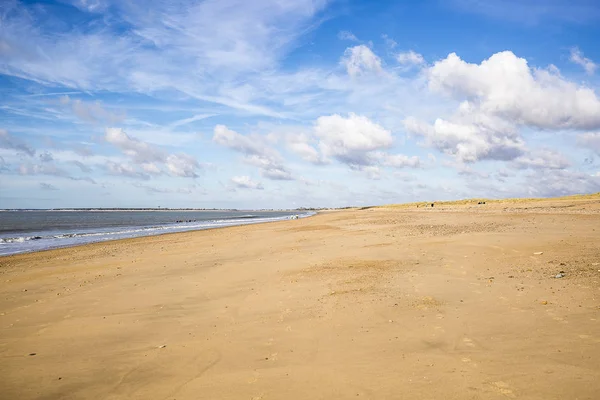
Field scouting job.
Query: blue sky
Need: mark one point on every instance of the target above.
(290, 103)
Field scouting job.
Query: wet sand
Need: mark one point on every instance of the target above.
(451, 302)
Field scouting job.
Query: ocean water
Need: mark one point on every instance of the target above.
(27, 231)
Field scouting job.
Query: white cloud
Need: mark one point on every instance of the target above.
(182, 165)
(578, 58)
(300, 144)
(498, 98)
(360, 60)
(351, 139)
(229, 138)
(410, 58)
(269, 167)
(505, 86)
(148, 156)
(470, 137)
(245, 182)
(347, 35)
(141, 152)
(257, 152)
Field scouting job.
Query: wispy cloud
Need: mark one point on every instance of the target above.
(578, 58)
(221, 40)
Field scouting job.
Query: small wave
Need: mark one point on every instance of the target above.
(19, 239)
(18, 244)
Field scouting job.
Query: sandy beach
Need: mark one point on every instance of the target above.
(450, 302)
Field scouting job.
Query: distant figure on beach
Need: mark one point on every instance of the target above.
(431, 204)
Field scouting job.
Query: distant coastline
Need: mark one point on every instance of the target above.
(164, 209)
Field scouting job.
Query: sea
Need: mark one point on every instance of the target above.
(23, 231)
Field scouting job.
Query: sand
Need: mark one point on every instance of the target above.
(383, 303)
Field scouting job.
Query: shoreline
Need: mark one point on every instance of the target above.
(68, 246)
(375, 303)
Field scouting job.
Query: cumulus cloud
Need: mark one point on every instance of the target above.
(359, 143)
(578, 58)
(257, 152)
(148, 157)
(499, 97)
(505, 86)
(245, 182)
(351, 139)
(410, 58)
(8, 141)
(470, 138)
(360, 60)
(301, 144)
